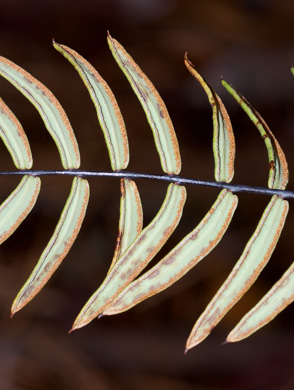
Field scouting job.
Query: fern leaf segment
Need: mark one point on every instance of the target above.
(108, 112)
(53, 115)
(278, 167)
(15, 138)
(223, 136)
(59, 245)
(163, 131)
(139, 254)
(131, 218)
(254, 258)
(18, 205)
(193, 248)
(277, 299)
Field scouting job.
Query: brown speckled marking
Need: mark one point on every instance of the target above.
(51, 98)
(117, 47)
(78, 61)
(272, 165)
(152, 275)
(213, 321)
(23, 297)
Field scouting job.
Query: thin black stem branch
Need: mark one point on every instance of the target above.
(168, 178)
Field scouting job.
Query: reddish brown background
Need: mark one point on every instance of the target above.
(251, 44)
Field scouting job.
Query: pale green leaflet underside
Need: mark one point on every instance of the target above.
(254, 258)
(139, 254)
(154, 107)
(131, 218)
(60, 243)
(278, 297)
(223, 136)
(135, 247)
(18, 205)
(278, 167)
(14, 138)
(193, 248)
(49, 108)
(108, 111)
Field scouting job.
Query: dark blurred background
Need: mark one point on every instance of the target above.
(248, 42)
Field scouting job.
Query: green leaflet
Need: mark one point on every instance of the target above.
(292, 70)
(254, 258)
(278, 297)
(108, 111)
(15, 138)
(139, 254)
(193, 248)
(223, 136)
(159, 120)
(278, 167)
(131, 218)
(60, 243)
(52, 113)
(18, 205)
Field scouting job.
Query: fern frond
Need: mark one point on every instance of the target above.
(14, 138)
(254, 258)
(135, 247)
(62, 240)
(108, 111)
(131, 219)
(53, 115)
(278, 167)
(136, 258)
(277, 299)
(223, 136)
(158, 117)
(193, 248)
(18, 205)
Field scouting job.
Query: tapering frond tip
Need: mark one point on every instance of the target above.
(223, 136)
(278, 167)
(191, 343)
(108, 112)
(156, 112)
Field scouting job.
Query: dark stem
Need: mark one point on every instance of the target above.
(168, 178)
